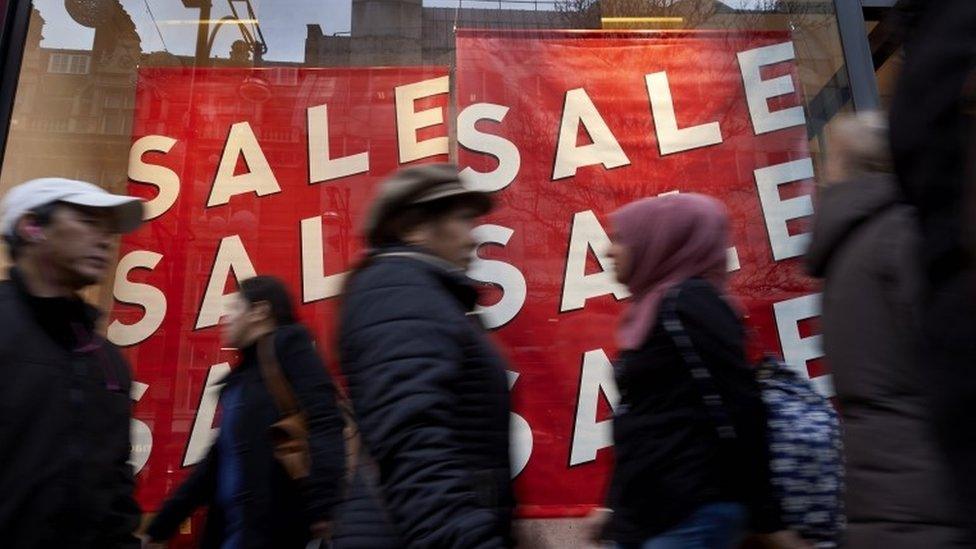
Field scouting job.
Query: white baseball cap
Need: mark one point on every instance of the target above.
(126, 210)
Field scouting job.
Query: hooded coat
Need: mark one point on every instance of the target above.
(865, 246)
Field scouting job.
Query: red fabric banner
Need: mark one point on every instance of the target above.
(269, 171)
(224, 156)
(598, 119)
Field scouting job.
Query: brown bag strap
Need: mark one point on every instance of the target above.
(274, 378)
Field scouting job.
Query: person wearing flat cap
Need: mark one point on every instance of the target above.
(428, 389)
(65, 479)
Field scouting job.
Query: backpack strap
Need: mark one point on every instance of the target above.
(700, 375)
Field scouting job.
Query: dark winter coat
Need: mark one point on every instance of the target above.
(431, 399)
(64, 430)
(865, 246)
(669, 459)
(277, 510)
(933, 141)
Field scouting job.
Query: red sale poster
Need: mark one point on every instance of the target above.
(223, 157)
(270, 171)
(564, 127)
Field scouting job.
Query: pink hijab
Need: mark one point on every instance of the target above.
(670, 239)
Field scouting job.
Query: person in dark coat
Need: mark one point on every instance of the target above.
(866, 247)
(428, 388)
(253, 503)
(680, 480)
(65, 479)
(933, 138)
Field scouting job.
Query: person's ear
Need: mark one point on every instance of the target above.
(29, 230)
(418, 235)
(260, 311)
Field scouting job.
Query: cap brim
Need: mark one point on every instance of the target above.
(482, 202)
(126, 210)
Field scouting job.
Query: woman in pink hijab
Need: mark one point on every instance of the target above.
(691, 459)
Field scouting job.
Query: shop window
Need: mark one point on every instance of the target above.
(97, 77)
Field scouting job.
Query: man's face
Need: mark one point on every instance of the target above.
(449, 236)
(77, 245)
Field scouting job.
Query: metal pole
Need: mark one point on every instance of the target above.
(12, 38)
(857, 54)
(203, 34)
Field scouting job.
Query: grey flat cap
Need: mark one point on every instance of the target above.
(419, 185)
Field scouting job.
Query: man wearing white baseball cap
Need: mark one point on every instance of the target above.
(64, 390)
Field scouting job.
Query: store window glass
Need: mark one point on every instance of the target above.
(886, 52)
(258, 129)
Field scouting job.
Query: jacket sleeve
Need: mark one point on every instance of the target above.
(401, 354)
(315, 392)
(712, 324)
(124, 512)
(196, 491)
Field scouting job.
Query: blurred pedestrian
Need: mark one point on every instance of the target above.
(692, 464)
(933, 137)
(254, 499)
(64, 399)
(429, 390)
(866, 247)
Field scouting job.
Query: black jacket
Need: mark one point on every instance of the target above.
(64, 433)
(866, 246)
(277, 511)
(669, 459)
(431, 398)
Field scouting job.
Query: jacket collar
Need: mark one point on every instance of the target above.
(842, 208)
(451, 276)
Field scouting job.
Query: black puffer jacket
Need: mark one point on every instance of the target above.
(277, 510)
(866, 246)
(64, 429)
(431, 399)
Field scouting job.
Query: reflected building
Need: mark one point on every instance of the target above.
(407, 33)
(74, 108)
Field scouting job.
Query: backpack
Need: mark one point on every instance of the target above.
(803, 433)
(806, 463)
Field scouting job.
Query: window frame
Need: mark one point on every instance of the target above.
(15, 21)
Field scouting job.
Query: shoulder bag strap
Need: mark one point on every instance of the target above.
(274, 378)
(350, 432)
(700, 375)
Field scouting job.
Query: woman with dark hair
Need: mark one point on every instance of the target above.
(692, 466)
(253, 501)
(429, 390)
